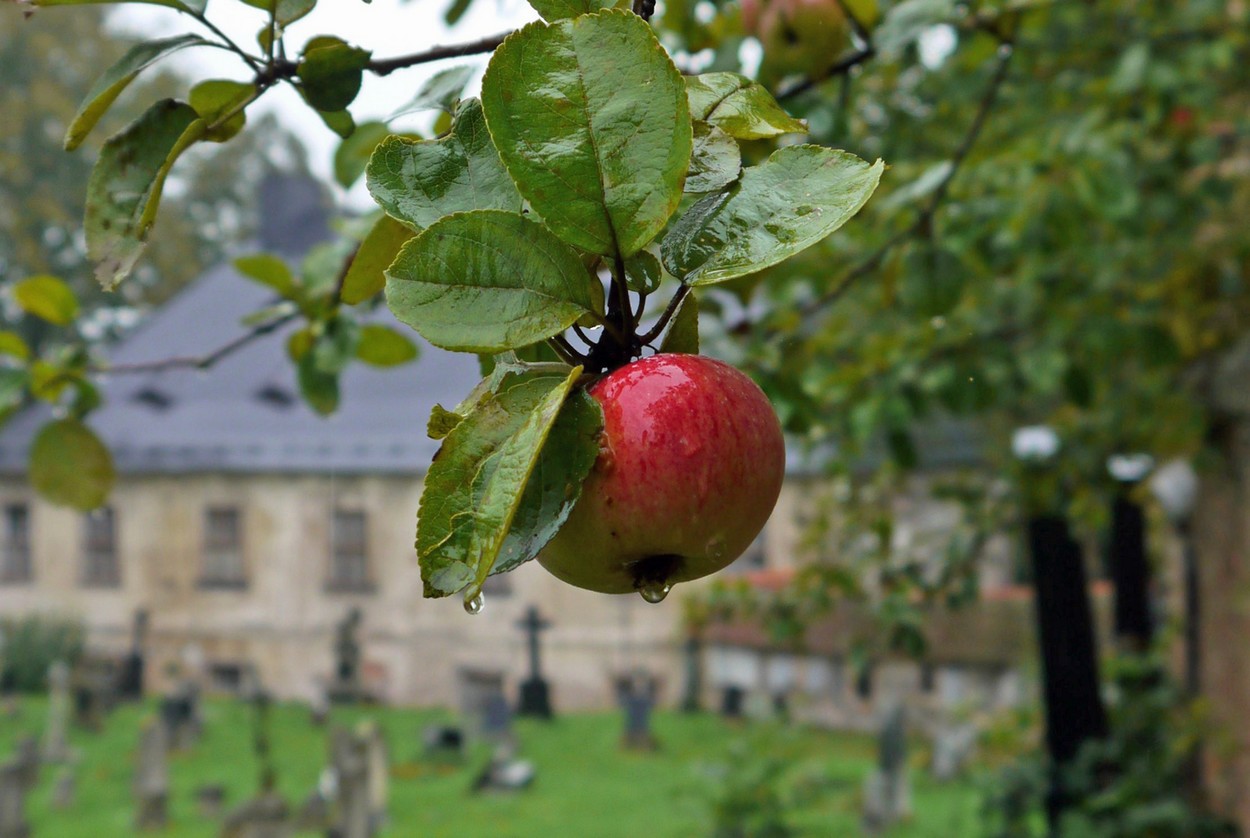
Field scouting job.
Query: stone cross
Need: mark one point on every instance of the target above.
(12, 802)
(152, 778)
(535, 693)
(55, 736)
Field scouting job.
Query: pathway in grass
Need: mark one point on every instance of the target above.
(586, 785)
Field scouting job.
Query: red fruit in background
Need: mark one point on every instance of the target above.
(689, 470)
(799, 37)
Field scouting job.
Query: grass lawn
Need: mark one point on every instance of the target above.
(586, 785)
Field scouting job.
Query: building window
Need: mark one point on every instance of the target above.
(15, 546)
(223, 549)
(349, 556)
(100, 568)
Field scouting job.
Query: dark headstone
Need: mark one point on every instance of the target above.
(733, 701)
(13, 822)
(27, 762)
(692, 690)
(130, 674)
(535, 692)
(346, 686)
(180, 714)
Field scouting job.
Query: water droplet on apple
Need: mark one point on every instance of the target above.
(473, 604)
(655, 591)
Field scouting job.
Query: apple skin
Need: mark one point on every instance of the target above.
(799, 37)
(690, 466)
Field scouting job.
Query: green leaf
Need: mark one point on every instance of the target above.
(13, 383)
(215, 99)
(786, 204)
(442, 90)
(683, 332)
(269, 270)
(382, 346)
(486, 281)
(456, 11)
(643, 272)
(340, 122)
(553, 10)
(366, 276)
(115, 80)
(331, 72)
(555, 483)
(196, 6)
(47, 298)
(441, 422)
(288, 11)
(716, 161)
(591, 119)
(475, 484)
(336, 346)
(125, 186)
(12, 344)
(420, 181)
(318, 387)
(742, 108)
(70, 466)
(352, 155)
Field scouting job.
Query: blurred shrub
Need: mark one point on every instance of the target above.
(29, 647)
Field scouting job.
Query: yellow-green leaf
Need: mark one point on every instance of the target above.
(47, 298)
(70, 466)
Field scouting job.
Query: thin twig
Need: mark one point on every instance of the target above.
(560, 345)
(839, 68)
(667, 315)
(924, 221)
(200, 362)
(386, 66)
(226, 40)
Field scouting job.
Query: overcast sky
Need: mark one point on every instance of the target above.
(388, 27)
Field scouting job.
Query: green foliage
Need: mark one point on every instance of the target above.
(742, 108)
(69, 465)
(683, 331)
(366, 276)
(590, 118)
(48, 298)
(331, 72)
(795, 198)
(442, 90)
(31, 645)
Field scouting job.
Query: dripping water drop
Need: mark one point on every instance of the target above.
(655, 591)
(473, 604)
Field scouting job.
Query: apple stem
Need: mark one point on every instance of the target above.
(669, 311)
(566, 351)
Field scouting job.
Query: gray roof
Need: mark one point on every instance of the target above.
(245, 413)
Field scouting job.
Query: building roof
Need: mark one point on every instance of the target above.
(245, 413)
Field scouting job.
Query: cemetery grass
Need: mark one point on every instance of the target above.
(586, 785)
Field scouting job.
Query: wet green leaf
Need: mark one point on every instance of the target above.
(70, 466)
(442, 90)
(382, 346)
(216, 99)
(553, 10)
(643, 273)
(331, 72)
(352, 155)
(716, 161)
(116, 78)
(125, 186)
(742, 108)
(683, 332)
(366, 276)
(475, 485)
(591, 119)
(420, 181)
(786, 204)
(486, 281)
(47, 298)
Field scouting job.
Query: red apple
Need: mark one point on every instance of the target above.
(689, 469)
(799, 37)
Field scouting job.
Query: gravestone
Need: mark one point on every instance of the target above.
(319, 707)
(346, 686)
(180, 714)
(636, 694)
(56, 732)
(692, 689)
(264, 816)
(13, 822)
(483, 705)
(758, 705)
(63, 790)
(350, 760)
(443, 744)
(210, 800)
(535, 692)
(94, 688)
(505, 772)
(732, 700)
(952, 748)
(379, 770)
(151, 786)
(27, 762)
(886, 794)
(130, 677)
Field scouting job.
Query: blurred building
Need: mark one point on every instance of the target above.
(247, 527)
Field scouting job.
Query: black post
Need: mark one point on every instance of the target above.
(1073, 704)
(691, 700)
(1130, 573)
(535, 694)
